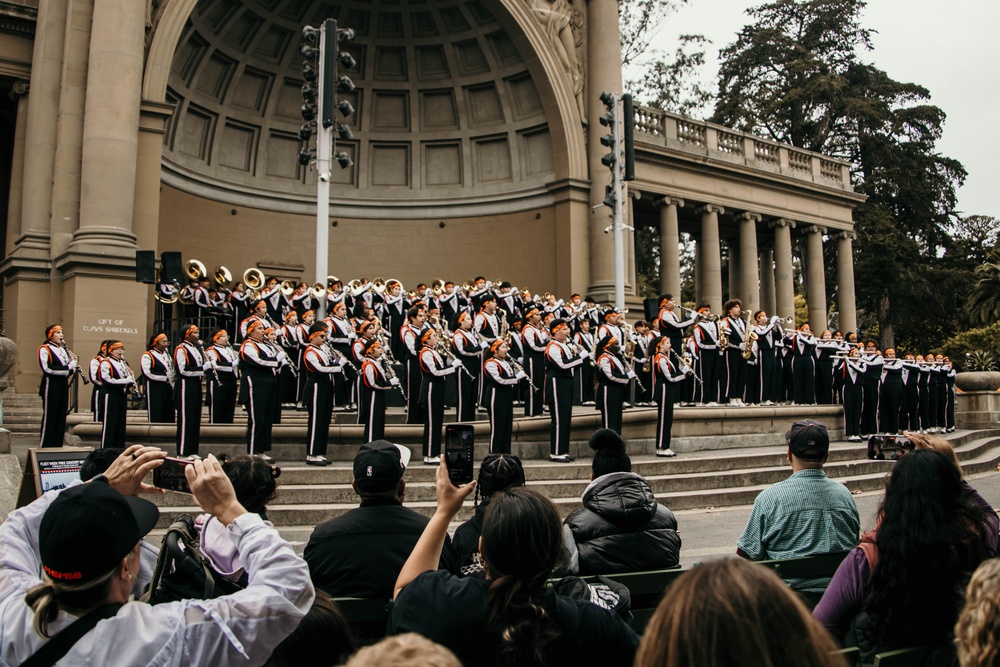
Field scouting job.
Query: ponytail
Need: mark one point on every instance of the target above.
(48, 598)
(518, 619)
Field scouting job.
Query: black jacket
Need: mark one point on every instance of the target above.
(360, 553)
(621, 528)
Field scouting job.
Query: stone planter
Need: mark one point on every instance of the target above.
(8, 355)
(978, 381)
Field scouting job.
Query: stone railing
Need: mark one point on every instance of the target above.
(656, 127)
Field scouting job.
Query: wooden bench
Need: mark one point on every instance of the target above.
(904, 657)
(807, 567)
(368, 618)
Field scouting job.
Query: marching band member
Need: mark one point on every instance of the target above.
(736, 365)
(302, 337)
(334, 294)
(167, 293)
(449, 304)
(645, 344)
(852, 372)
(487, 323)
(259, 314)
(191, 366)
(203, 299)
(301, 300)
(501, 382)
(287, 339)
(341, 336)
(508, 301)
(275, 351)
(826, 347)
(614, 377)
(158, 368)
(584, 375)
(96, 404)
(410, 335)
(666, 379)
(186, 297)
(612, 325)
(873, 377)
(560, 362)
(367, 331)
(910, 410)
(395, 316)
(767, 363)
(258, 373)
(804, 366)
(469, 350)
(923, 383)
(58, 366)
(710, 358)
(948, 373)
(480, 289)
(238, 299)
(936, 389)
(319, 369)
(375, 381)
(116, 379)
(433, 370)
(222, 388)
(671, 325)
(274, 300)
(890, 393)
(534, 340)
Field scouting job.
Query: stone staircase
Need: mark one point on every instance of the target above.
(309, 495)
(22, 413)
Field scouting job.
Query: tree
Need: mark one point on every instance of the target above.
(795, 75)
(982, 307)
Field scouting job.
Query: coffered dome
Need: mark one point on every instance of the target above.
(446, 108)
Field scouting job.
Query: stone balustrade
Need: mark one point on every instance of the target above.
(661, 128)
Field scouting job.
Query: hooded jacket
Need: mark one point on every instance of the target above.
(621, 528)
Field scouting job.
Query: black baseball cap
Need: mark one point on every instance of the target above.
(88, 530)
(379, 465)
(808, 439)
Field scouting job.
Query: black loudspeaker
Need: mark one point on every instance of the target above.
(171, 269)
(651, 308)
(145, 266)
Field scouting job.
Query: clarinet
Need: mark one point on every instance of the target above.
(391, 374)
(518, 368)
(210, 373)
(338, 355)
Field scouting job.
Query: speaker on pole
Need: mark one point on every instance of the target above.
(651, 309)
(171, 269)
(145, 266)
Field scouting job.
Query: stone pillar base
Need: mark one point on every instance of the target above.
(10, 476)
(977, 409)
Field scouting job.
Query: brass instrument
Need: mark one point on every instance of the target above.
(379, 286)
(359, 286)
(750, 340)
(287, 288)
(723, 336)
(195, 270)
(437, 286)
(317, 290)
(165, 299)
(223, 277)
(253, 278)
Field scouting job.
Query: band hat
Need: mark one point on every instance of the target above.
(379, 465)
(371, 346)
(308, 313)
(88, 529)
(426, 335)
(218, 334)
(52, 330)
(607, 342)
(115, 345)
(808, 440)
(495, 345)
(190, 329)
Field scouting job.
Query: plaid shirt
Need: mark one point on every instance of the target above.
(807, 514)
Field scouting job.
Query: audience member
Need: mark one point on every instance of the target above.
(323, 638)
(808, 514)
(97, 461)
(255, 483)
(621, 527)
(730, 613)
(85, 538)
(409, 650)
(360, 553)
(977, 632)
(497, 472)
(510, 617)
(902, 586)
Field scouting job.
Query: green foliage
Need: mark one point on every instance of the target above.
(983, 303)
(984, 340)
(801, 311)
(980, 360)
(647, 261)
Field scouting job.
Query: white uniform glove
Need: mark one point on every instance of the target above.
(394, 382)
(632, 375)
(584, 354)
(743, 346)
(456, 363)
(342, 361)
(521, 375)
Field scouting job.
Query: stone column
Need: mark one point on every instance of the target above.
(749, 289)
(845, 283)
(734, 270)
(784, 287)
(767, 281)
(41, 137)
(711, 257)
(111, 129)
(815, 277)
(604, 75)
(670, 242)
(20, 89)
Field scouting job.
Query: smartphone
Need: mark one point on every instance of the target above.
(459, 451)
(170, 475)
(885, 447)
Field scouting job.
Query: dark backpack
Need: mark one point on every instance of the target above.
(182, 572)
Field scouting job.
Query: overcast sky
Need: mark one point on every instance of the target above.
(950, 48)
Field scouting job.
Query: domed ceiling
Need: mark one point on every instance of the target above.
(446, 109)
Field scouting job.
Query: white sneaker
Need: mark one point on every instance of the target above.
(666, 452)
(318, 461)
(561, 458)
(711, 404)
(432, 460)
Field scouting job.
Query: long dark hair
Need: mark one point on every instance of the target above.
(521, 544)
(929, 539)
(498, 472)
(254, 479)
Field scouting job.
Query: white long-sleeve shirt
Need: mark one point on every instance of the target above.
(238, 629)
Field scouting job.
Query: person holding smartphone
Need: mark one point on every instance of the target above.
(501, 383)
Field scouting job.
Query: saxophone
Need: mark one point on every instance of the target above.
(723, 336)
(750, 340)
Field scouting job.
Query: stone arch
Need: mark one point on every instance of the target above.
(556, 91)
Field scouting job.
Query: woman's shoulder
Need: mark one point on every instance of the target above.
(594, 628)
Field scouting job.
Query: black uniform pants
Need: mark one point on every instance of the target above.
(114, 406)
(611, 402)
(666, 396)
(468, 392)
(260, 401)
(160, 401)
(414, 415)
(890, 398)
(432, 405)
(736, 381)
(55, 402)
(853, 400)
(187, 397)
(559, 394)
(96, 406)
(804, 379)
(910, 411)
(371, 409)
(535, 368)
(869, 409)
(319, 397)
(949, 413)
(824, 380)
(500, 404)
(221, 401)
(708, 370)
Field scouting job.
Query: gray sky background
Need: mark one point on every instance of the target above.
(950, 48)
